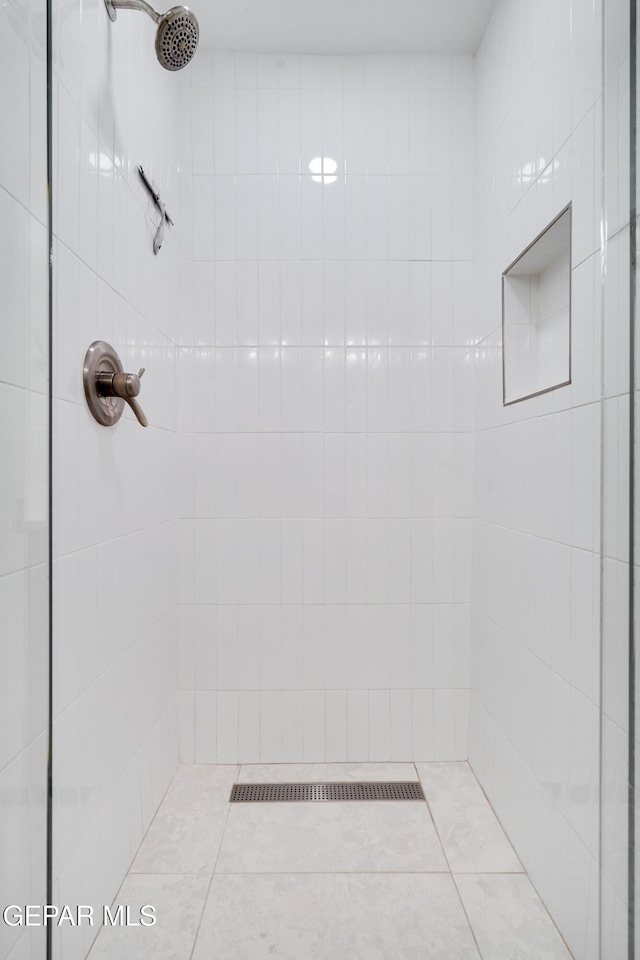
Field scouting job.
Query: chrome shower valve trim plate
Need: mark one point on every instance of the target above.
(107, 387)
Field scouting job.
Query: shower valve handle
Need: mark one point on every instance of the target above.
(124, 385)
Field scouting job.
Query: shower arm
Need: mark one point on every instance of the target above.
(114, 5)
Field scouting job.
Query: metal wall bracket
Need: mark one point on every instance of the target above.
(164, 216)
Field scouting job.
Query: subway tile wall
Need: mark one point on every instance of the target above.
(325, 394)
(290, 543)
(115, 531)
(534, 731)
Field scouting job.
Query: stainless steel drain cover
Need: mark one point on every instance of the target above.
(294, 792)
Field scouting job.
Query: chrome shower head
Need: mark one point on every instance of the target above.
(176, 38)
(177, 34)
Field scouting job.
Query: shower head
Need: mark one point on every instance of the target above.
(176, 38)
(177, 34)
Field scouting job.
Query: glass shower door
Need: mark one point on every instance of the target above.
(620, 938)
(24, 474)
(634, 499)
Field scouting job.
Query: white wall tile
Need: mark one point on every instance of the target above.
(186, 720)
(357, 645)
(292, 727)
(123, 294)
(314, 726)
(292, 554)
(315, 486)
(205, 750)
(271, 727)
(203, 226)
(226, 727)
(335, 625)
(249, 727)
(530, 517)
(357, 725)
(248, 647)
(228, 305)
(379, 725)
(336, 720)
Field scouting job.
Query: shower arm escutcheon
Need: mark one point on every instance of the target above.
(107, 387)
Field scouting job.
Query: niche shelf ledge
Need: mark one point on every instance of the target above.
(536, 315)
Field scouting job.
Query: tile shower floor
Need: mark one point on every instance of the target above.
(330, 881)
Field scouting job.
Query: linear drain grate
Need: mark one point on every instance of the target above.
(292, 792)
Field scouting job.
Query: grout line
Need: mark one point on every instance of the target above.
(531, 653)
(213, 872)
(451, 874)
(498, 820)
(148, 830)
(524, 872)
(467, 917)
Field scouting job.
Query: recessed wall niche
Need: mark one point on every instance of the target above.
(536, 315)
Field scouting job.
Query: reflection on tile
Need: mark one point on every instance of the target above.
(471, 835)
(185, 834)
(329, 837)
(178, 903)
(325, 772)
(508, 919)
(334, 917)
